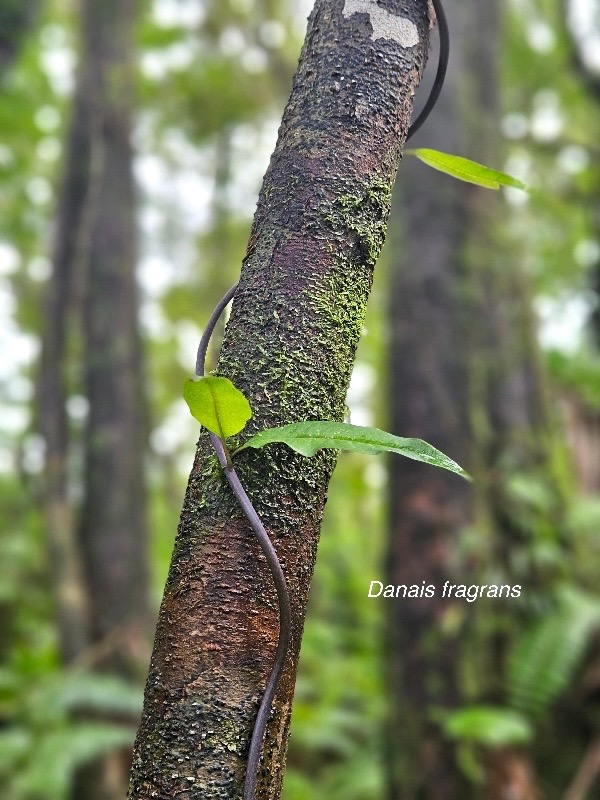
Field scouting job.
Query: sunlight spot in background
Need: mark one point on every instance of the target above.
(375, 474)
(586, 252)
(188, 336)
(272, 34)
(562, 320)
(39, 190)
(47, 119)
(157, 64)
(48, 149)
(177, 13)
(14, 419)
(573, 159)
(154, 323)
(53, 36)
(19, 389)
(515, 125)
(252, 148)
(178, 429)
(57, 60)
(583, 21)
(232, 41)
(518, 164)
(546, 119)
(39, 268)
(359, 393)
(78, 407)
(540, 36)
(155, 275)
(254, 60)
(10, 258)
(18, 350)
(185, 191)
(33, 457)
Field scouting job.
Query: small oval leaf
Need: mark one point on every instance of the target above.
(217, 405)
(309, 437)
(465, 169)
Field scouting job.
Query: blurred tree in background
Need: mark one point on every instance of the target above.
(464, 374)
(95, 440)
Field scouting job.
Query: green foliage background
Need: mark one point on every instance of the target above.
(213, 78)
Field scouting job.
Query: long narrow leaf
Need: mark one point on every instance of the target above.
(309, 437)
(465, 170)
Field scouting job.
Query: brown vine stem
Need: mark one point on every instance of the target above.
(285, 613)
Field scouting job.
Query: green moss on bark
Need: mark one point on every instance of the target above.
(289, 346)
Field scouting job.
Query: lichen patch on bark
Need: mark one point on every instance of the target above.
(385, 24)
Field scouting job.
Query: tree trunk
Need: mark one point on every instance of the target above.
(289, 346)
(462, 378)
(113, 528)
(100, 558)
(17, 17)
(67, 257)
(429, 399)
(113, 524)
(510, 775)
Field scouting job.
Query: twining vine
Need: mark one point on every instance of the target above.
(223, 410)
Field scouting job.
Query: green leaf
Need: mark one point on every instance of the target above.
(217, 405)
(493, 727)
(107, 694)
(466, 170)
(308, 437)
(58, 752)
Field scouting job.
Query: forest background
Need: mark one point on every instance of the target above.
(102, 243)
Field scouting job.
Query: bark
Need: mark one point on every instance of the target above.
(289, 345)
(586, 775)
(112, 530)
(429, 399)
(463, 378)
(510, 775)
(69, 244)
(582, 421)
(95, 247)
(17, 17)
(113, 524)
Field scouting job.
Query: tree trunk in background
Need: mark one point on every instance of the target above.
(67, 257)
(113, 523)
(429, 399)
(289, 345)
(583, 429)
(102, 555)
(583, 422)
(17, 17)
(461, 377)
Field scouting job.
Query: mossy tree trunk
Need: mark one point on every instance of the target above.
(289, 345)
